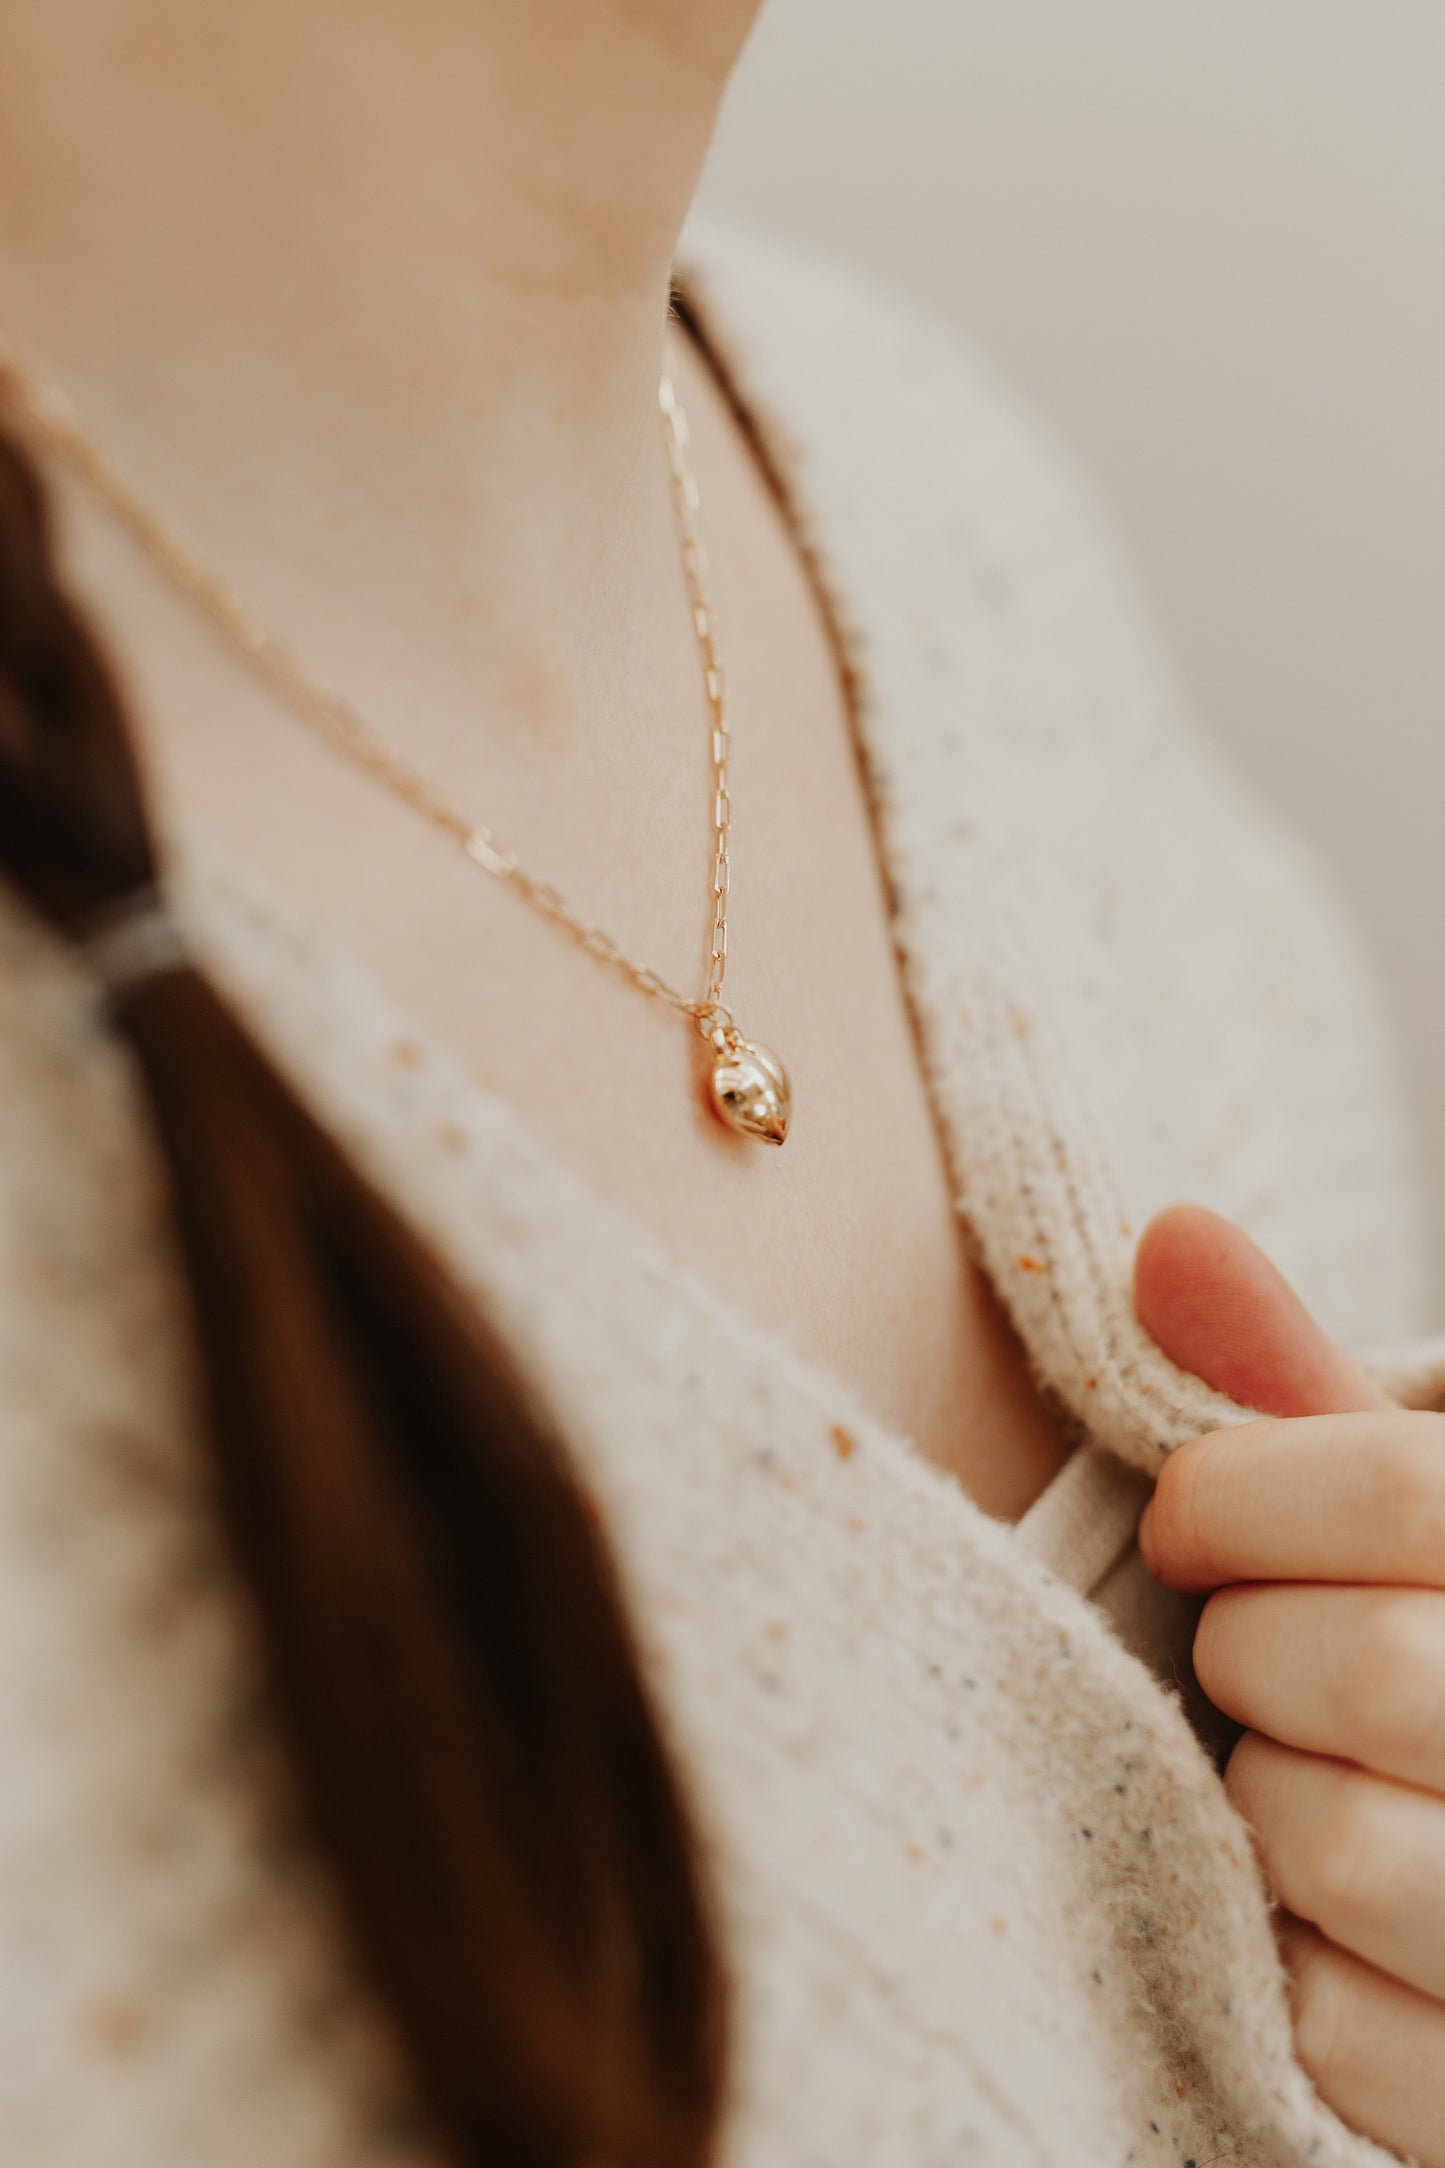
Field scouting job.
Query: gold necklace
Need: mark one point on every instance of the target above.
(748, 1087)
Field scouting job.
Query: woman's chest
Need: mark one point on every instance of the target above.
(847, 1244)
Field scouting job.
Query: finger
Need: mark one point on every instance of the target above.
(1359, 1857)
(1217, 1306)
(1375, 2050)
(1354, 1673)
(1312, 1498)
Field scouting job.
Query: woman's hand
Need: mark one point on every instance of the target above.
(1322, 1534)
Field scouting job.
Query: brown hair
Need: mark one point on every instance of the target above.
(446, 1636)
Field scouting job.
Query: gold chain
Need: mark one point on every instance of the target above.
(330, 712)
(749, 1087)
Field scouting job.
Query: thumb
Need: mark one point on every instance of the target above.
(1217, 1306)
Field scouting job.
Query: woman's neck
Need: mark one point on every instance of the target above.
(373, 254)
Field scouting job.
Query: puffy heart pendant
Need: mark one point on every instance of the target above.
(750, 1091)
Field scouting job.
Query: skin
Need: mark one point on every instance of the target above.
(370, 298)
(1321, 1534)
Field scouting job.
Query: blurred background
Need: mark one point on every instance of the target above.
(1209, 243)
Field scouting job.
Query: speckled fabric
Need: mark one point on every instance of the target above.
(984, 1896)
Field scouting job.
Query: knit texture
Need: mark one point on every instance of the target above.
(984, 1897)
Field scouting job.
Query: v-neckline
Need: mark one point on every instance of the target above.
(1124, 1385)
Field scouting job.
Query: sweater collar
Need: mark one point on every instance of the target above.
(999, 788)
(1033, 1182)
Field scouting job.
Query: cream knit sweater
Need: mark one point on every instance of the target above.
(985, 1899)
